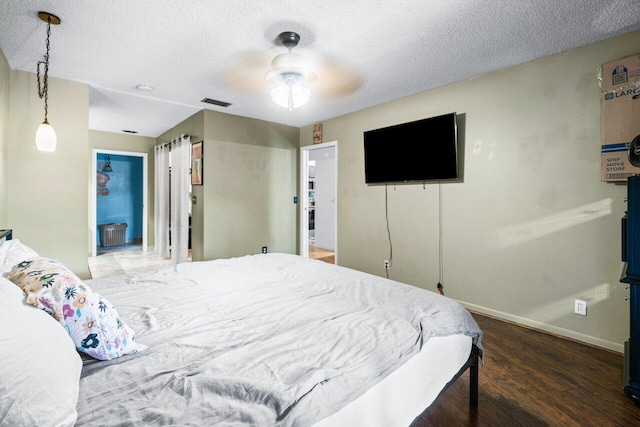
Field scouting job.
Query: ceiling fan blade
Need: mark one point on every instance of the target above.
(247, 72)
(336, 81)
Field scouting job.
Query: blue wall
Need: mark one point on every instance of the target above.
(123, 203)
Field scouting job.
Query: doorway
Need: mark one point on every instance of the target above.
(105, 165)
(319, 205)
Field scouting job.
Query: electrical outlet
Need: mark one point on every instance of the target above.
(387, 264)
(264, 249)
(580, 307)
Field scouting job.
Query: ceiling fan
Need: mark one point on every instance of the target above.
(289, 74)
(291, 78)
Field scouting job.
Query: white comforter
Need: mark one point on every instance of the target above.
(260, 340)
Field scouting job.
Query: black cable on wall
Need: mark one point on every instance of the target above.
(386, 213)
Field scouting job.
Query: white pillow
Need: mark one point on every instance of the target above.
(13, 252)
(40, 367)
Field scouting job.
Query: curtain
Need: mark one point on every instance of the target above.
(180, 202)
(161, 204)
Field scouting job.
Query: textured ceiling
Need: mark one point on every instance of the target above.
(364, 52)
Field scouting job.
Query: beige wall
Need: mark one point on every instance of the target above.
(532, 227)
(124, 143)
(4, 133)
(47, 192)
(250, 178)
(250, 175)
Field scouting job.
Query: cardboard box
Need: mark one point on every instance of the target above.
(620, 115)
(615, 163)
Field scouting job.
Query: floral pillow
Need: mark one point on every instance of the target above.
(91, 321)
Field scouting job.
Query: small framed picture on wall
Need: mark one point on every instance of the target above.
(196, 163)
(317, 133)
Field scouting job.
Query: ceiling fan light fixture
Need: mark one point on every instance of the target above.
(290, 93)
(288, 73)
(291, 63)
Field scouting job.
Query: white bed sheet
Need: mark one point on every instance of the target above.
(244, 342)
(399, 398)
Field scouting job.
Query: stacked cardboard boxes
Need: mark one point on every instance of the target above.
(620, 104)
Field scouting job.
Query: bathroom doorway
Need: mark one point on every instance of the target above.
(119, 201)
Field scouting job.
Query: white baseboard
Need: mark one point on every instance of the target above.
(588, 339)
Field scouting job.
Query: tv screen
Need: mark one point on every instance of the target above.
(423, 150)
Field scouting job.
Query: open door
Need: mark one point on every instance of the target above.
(318, 202)
(97, 187)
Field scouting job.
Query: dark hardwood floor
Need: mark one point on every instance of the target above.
(531, 378)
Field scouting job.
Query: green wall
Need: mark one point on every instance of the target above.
(250, 178)
(531, 227)
(47, 192)
(251, 166)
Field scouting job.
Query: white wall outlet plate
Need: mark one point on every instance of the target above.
(580, 307)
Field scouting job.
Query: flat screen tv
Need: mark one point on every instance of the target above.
(423, 150)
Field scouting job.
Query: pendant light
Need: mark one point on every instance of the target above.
(46, 139)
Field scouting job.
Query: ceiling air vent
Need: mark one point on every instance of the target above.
(216, 102)
(129, 131)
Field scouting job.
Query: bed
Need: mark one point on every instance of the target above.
(262, 340)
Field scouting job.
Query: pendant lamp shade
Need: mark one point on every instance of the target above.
(46, 139)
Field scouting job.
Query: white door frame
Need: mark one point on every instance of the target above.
(94, 198)
(304, 198)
